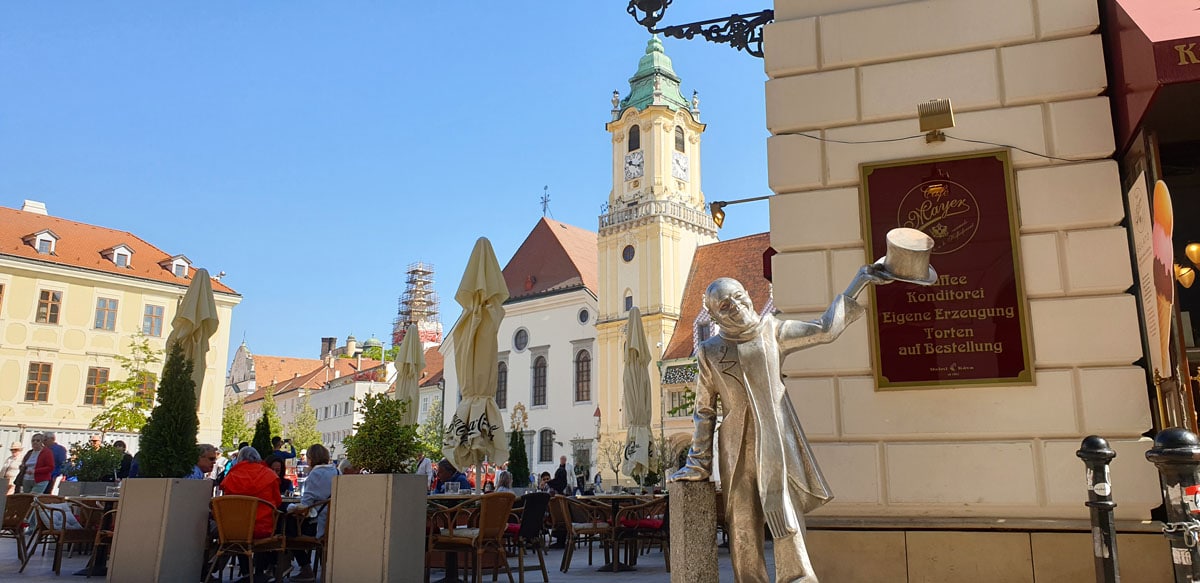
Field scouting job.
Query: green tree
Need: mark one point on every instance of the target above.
(613, 454)
(375, 352)
(381, 444)
(431, 431)
(262, 437)
(271, 413)
(303, 428)
(234, 427)
(93, 465)
(518, 462)
(168, 443)
(127, 403)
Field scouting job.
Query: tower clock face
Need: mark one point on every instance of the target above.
(679, 166)
(634, 165)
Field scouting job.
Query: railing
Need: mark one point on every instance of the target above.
(667, 208)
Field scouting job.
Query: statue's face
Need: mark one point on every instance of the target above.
(729, 305)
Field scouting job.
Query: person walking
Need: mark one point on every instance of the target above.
(60, 460)
(425, 468)
(12, 467)
(36, 443)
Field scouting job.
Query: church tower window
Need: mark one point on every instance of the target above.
(635, 138)
(679, 141)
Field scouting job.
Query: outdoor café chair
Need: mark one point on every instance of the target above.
(17, 520)
(644, 524)
(104, 536)
(528, 532)
(235, 517)
(305, 542)
(584, 523)
(55, 521)
(484, 534)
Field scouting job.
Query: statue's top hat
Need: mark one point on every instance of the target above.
(907, 258)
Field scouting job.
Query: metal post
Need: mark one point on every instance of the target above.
(1176, 453)
(1096, 455)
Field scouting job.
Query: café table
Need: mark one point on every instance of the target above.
(100, 566)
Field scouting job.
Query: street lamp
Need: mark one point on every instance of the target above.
(743, 32)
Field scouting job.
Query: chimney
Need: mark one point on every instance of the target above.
(35, 207)
(328, 343)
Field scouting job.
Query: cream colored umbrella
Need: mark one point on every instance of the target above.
(194, 323)
(639, 442)
(476, 432)
(410, 361)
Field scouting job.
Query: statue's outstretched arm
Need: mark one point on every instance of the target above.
(797, 334)
(700, 456)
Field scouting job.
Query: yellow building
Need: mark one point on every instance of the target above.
(654, 221)
(72, 296)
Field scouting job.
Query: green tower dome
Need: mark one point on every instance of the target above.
(654, 83)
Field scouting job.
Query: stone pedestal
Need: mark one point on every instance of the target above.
(160, 530)
(693, 532)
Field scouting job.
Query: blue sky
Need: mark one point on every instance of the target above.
(312, 150)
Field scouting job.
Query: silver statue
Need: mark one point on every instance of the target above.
(768, 472)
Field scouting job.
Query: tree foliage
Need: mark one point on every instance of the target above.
(518, 461)
(234, 427)
(262, 437)
(377, 353)
(381, 444)
(168, 443)
(271, 412)
(93, 465)
(431, 431)
(126, 404)
(303, 428)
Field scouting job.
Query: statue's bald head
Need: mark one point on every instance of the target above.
(729, 305)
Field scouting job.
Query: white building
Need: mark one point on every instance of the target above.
(547, 345)
(336, 402)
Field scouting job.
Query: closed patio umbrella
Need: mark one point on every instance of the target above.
(639, 442)
(194, 323)
(410, 361)
(476, 431)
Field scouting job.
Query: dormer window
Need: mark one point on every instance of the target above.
(177, 265)
(45, 241)
(121, 255)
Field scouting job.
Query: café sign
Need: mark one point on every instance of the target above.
(969, 327)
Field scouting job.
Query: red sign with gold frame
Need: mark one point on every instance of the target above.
(969, 327)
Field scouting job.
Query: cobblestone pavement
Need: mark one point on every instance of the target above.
(650, 567)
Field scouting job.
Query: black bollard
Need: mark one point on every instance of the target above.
(1176, 452)
(1096, 455)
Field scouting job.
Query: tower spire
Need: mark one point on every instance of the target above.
(654, 83)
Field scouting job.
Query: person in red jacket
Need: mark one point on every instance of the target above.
(251, 477)
(43, 471)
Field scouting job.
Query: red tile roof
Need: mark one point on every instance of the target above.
(554, 257)
(435, 366)
(81, 245)
(740, 259)
(313, 379)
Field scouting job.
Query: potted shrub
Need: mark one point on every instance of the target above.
(94, 470)
(163, 521)
(377, 519)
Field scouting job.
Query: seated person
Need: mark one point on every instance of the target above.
(251, 477)
(446, 473)
(286, 487)
(204, 463)
(504, 481)
(346, 468)
(544, 482)
(489, 487)
(318, 487)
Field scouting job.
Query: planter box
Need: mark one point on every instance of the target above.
(161, 530)
(84, 488)
(377, 528)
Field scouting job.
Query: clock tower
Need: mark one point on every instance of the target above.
(650, 227)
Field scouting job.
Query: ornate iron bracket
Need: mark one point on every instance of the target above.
(743, 32)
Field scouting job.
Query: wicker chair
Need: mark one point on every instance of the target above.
(235, 517)
(484, 534)
(528, 532)
(16, 520)
(104, 536)
(584, 523)
(646, 524)
(52, 525)
(304, 542)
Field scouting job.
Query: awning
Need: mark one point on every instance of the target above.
(1152, 43)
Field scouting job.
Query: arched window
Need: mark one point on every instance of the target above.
(635, 138)
(502, 385)
(546, 446)
(539, 381)
(583, 376)
(679, 141)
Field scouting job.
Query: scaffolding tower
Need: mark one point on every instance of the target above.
(418, 305)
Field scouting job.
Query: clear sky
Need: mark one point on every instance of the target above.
(312, 150)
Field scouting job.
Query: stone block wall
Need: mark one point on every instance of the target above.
(1025, 73)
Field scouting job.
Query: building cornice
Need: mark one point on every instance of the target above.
(55, 269)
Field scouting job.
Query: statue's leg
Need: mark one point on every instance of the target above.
(792, 564)
(744, 515)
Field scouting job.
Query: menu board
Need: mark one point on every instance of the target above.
(969, 327)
